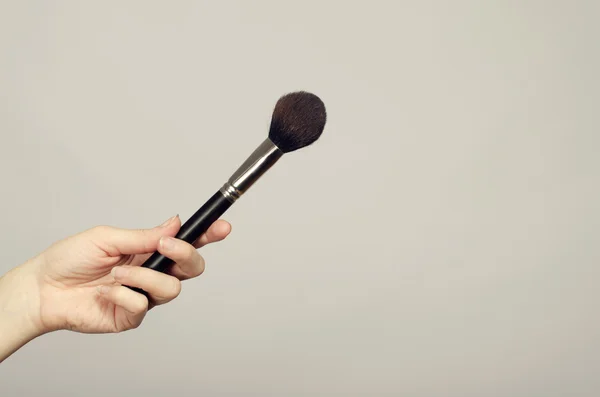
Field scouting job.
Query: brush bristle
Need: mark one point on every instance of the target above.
(298, 121)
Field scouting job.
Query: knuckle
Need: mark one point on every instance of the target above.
(174, 287)
(143, 232)
(140, 304)
(134, 325)
(190, 252)
(146, 236)
(194, 267)
(201, 266)
(126, 273)
(101, 229)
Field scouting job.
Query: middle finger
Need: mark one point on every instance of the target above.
(161, 288)
(188, 262)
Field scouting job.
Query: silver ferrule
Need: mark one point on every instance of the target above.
(263, 157)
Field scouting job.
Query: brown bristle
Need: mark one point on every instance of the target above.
(298, 121)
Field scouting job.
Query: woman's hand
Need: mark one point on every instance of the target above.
(79, 278)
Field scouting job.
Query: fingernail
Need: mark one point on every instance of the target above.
(167, 243)
(169, 221)
(118, 272)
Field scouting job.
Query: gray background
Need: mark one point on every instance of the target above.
(439, 240)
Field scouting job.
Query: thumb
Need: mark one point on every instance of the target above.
(117, 241)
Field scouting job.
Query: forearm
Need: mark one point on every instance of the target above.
(18, 304)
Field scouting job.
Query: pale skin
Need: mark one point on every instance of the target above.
(78, 283)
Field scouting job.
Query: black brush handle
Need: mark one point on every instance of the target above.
(190, 231)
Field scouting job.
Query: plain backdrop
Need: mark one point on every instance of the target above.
(440, 239)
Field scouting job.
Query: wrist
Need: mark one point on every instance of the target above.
(19, 305)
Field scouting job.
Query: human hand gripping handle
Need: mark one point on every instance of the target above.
(190, 232)
(79, 283)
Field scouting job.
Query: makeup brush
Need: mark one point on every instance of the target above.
(297, 121)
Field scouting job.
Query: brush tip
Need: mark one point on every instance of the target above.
(298, 121)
